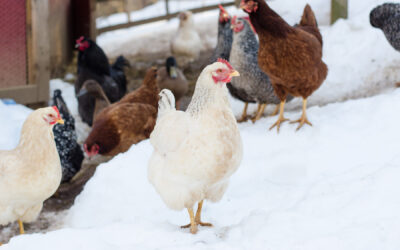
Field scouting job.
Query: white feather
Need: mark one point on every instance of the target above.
(195, 152)
(30, 173)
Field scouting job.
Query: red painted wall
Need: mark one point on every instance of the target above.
(13, 53)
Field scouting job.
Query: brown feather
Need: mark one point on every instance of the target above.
(128, 121)
(291, 56)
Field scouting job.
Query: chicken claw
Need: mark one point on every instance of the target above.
(303, 119)
(192, 224)
(244, 114)
(281, 119)
(197, 219)
(259, 113)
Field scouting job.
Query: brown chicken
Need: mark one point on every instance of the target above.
(126, 122)
(291, 56)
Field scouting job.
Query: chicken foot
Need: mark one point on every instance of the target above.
(259, 113)
(21, 227)
(303, 119)
(281, 118)
(197, 219)
(244, 114)
(192, 224)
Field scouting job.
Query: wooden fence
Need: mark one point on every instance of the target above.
(167, 16)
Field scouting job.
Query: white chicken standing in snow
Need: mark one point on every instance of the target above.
(195, 152)
(187, 42)
(30, 173)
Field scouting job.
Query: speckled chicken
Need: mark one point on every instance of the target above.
(253, 82)
(225, 36)
(172, 78)
(70, 152)
(387, 18)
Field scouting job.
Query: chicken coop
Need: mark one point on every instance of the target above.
(36, 42)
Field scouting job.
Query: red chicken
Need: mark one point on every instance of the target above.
(126, 122)
(291, 56)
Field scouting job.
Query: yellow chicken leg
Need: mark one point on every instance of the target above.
(303, 119)
(280, 118)
(275, 111)
(193, 224)
(198, 216)
(244, 114)
(260, 112)
(197, 219)
(21, 227)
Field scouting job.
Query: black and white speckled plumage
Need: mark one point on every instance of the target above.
(253, 83)
(71, 155)
(224, 43)
(387, 18)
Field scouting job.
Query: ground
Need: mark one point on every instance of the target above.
(331, 186)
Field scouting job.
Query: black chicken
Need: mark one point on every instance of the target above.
(387, 18)
(71, 154)
(93, 65)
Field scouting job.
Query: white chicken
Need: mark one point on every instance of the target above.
(187, 43)
(30, 173)
(195, 152)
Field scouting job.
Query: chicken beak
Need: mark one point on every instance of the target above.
(60, 121)
(242, 5)
(234, 73)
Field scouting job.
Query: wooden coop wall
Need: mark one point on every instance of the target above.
(13, 49)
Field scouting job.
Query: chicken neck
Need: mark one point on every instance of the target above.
(267, 21)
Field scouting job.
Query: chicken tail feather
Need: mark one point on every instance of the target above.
(166, 102)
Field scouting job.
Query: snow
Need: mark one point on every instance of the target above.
(331, 186)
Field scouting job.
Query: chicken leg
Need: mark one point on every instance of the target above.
(197, 219)
(281, 118)
(275, 111)
(192, 224)
(260, 112)
(303, 119)
(21, 227)
(244, 114)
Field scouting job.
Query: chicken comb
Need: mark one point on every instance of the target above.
(80, 39)
(222, 8)
(58, 112)
(225, 62)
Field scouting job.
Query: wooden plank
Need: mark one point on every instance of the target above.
(159, 18)
(41, 48)
(338, 10)
(24, 94)
(31, 72)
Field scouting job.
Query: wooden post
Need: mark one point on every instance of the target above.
(166, 7)
(338, 10)
(237, 3)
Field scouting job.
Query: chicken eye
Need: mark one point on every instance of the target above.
(51, 115)
(219, 70)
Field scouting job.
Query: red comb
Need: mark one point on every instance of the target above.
(58, 112)
(225, 62)
(221, 8)
(80, 39)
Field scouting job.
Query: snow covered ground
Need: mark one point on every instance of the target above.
(331, 186)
